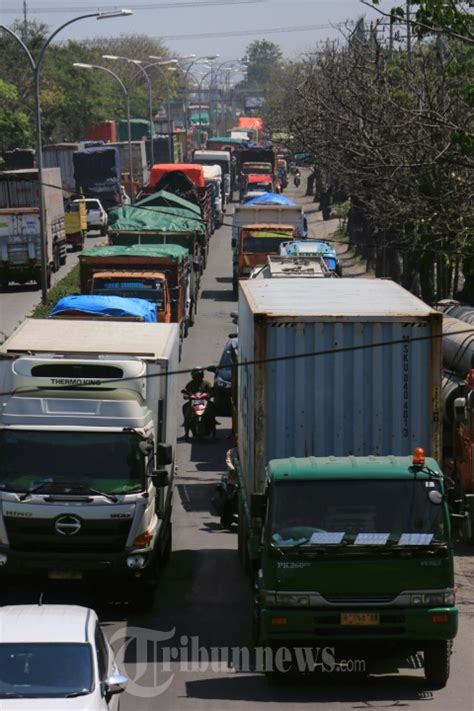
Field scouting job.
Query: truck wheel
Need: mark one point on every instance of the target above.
(62, 259)
(437, 662)
(56, 260)
(165, 556)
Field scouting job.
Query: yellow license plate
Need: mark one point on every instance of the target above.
(65, 575)
(360, 618)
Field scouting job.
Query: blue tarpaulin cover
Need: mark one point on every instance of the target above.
(112, 306)
(271, 199)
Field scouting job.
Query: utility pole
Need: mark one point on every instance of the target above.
(408, 22)
(390, 40)
(25, 22)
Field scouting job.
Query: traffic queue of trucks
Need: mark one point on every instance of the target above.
(344, 512)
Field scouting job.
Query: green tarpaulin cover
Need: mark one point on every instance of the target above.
(145, 216)
(173, 251)
(165, 199)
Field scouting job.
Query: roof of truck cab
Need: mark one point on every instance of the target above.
(172, 251)
(147, 340)
(372, 467)
(356, 299)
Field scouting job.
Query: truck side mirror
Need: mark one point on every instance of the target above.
(258, 505)
(160, 478)
(164, 454)
(460, 410)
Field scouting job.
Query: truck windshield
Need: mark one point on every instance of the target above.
(149, 289)
(309, 511)
(267, 244)
(46, 670)
(107, 461)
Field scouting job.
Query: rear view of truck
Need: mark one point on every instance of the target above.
(20, 242)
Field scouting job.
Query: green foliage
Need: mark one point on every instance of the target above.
(71, 98)
(65, 287)
(263, 59)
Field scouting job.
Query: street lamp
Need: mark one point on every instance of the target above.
(170, 65)
(36, 69)
(138, 64)
(208, 58)
(81, 65)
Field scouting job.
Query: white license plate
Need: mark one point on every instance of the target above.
(65, 575)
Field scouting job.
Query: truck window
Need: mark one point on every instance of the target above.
(298, 509)
(269, 245)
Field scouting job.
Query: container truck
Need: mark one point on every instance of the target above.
(253, 124)
(347, 535)
(159, 273)
(87, 435)
(20, 243)
(60, 155)
(278, 267)
(141, 172)
(105, 131)
(213, 177)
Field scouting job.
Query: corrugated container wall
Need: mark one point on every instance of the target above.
(141, 172)
(353, 398)
(20, 188)
(60, 156)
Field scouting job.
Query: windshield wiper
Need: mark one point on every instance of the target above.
(73, 694)
(90, 490)
(41, 485)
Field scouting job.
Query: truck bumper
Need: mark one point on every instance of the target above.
(406, 628)
(72, 566)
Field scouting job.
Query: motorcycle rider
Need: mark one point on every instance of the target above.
(297, 178)
(197, 384)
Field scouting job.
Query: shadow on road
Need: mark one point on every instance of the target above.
(313, 690)
(218, 295)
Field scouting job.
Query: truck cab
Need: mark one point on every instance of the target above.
(150, 285)
(355, 553)
(255, 243)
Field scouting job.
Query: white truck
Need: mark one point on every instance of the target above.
(222, 159)
(20, 244)
(87, 449)
(213, 175)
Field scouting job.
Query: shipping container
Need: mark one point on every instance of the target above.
(59, 155)
(139, 129)
(356, 398)
(105, 131)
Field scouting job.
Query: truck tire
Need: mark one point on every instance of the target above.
(62, 259)
(165, 556)
(103, 230)
(56, 258)
(437, 656)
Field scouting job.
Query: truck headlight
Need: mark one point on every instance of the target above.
(136, 562)
(432, 599)
(292, 600)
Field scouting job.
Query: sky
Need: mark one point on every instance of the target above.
(233, 24)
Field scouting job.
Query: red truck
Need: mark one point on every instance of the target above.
(254, 123)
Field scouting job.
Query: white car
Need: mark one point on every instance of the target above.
(55, 658)
(97, 218)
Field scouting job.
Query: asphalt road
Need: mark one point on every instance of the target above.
(17, 301)
(204, 600)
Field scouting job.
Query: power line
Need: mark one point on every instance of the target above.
(242, 33)
(145, 6)
(238, 364)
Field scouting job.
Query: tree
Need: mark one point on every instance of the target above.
(15, 127)
(263, 59)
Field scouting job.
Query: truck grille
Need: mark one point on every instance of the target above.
(360, 599)
(40, 535)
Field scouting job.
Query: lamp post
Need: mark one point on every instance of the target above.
(231, 64)
(142, 70)
(36, 70)
(209, 58)
(81, 65)
(168, 107)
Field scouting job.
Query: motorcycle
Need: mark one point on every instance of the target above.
(297, 180)
(199, 418)
(228, 505)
